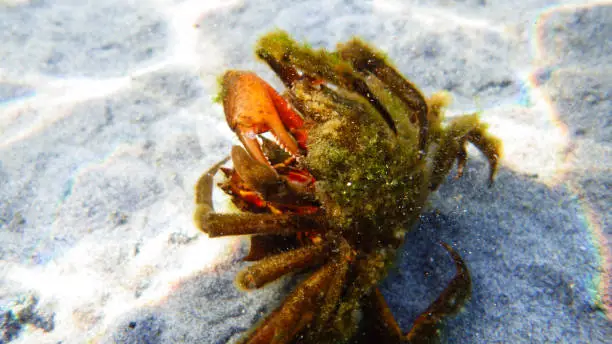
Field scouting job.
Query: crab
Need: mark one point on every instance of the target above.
(355, 151)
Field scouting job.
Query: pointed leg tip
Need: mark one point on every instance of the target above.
(462, 269)
(426, 327)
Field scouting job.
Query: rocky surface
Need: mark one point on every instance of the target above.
(107, 121)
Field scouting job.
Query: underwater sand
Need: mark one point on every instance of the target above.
(107, 121)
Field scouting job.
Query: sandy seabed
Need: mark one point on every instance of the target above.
(107, 121)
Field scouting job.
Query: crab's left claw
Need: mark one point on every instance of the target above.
(278, 189)
(253, 107)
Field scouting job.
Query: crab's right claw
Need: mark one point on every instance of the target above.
(253, 107)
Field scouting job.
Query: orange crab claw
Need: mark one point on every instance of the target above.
(253, 107)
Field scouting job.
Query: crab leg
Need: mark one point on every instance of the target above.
(203, 193)
(332, 295)
(461, 130)
(263, 246)
(296, 312)
(216, 225)
(489, 146)
(273, 267)
(458, 291)
(240, 224)
(252, 107)
(277, 47)
(368, 271)
(381, 324)
(366, 60)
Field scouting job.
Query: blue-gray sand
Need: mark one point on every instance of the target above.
(107, 119)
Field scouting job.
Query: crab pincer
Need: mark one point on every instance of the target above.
(253, 107)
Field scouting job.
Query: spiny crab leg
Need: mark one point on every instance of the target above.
(253, 107)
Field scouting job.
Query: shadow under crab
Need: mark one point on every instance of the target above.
(359, 149)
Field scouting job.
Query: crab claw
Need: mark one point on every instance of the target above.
(253, 107)
(275, 188)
